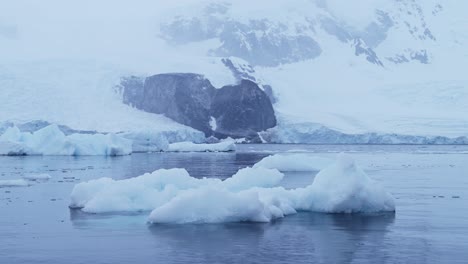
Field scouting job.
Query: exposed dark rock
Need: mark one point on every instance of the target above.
(183, 97)
(271, 47)
(420, 56)
(398, 59)
(130, 88)
(242, 110)
(212, 140)
(237, 111)
(363, 49)
(244, 71)
(240, 71)
(259, 41)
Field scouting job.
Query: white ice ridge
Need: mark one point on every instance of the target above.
(224, 146)
(252, 195)
(294, 162)
(52, 141)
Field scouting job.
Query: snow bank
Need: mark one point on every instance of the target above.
(37, 177)
(250, 195)
(294, 162)
(51, 140)
(14, 183)
(225, 146)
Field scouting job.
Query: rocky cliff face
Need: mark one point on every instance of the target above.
(242, 110)
(236, 111)
(183, 97)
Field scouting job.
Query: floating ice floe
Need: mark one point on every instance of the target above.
(37, 177)
(294, 162)
(151, 190)
(154, 141)
(252, 194)
(52, 141)
(225, 146)
(14, 183)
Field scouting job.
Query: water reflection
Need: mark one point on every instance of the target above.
(218, 165)
(426, 230)
(305, 237)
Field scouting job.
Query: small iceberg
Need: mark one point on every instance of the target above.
(51, 140)
(251, 195)
(225, 146)
(294, 162)
(14, 183)
(37, 177)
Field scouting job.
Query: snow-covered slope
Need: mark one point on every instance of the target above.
(383, 66)
(377, 66)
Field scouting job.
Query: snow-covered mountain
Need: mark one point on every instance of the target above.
(351, 67)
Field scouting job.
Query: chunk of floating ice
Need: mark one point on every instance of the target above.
(146, 192)
(345, 188)
(52, 141)
(14, 183)
(250, 195)
(37, 177)
(225, 146)
(294, 162)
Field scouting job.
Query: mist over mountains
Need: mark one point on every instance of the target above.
(354, 67)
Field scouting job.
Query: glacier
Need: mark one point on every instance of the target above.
(251, 195)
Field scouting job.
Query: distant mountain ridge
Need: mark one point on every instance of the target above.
(270, 40)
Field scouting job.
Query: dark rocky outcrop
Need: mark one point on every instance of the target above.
(242, 110)
(237, 110)
(183, 97)
(244, 71)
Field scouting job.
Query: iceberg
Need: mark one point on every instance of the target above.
(251, 195)
(37, 177)
(146, 141)
(14, 183)
(8, 148)
(155, 141)
(151, 190)
(294, 162)
(225, 146)
(50, 140)
(203, 206)
(345, 188)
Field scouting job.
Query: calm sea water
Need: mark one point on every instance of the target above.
(430, 185)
